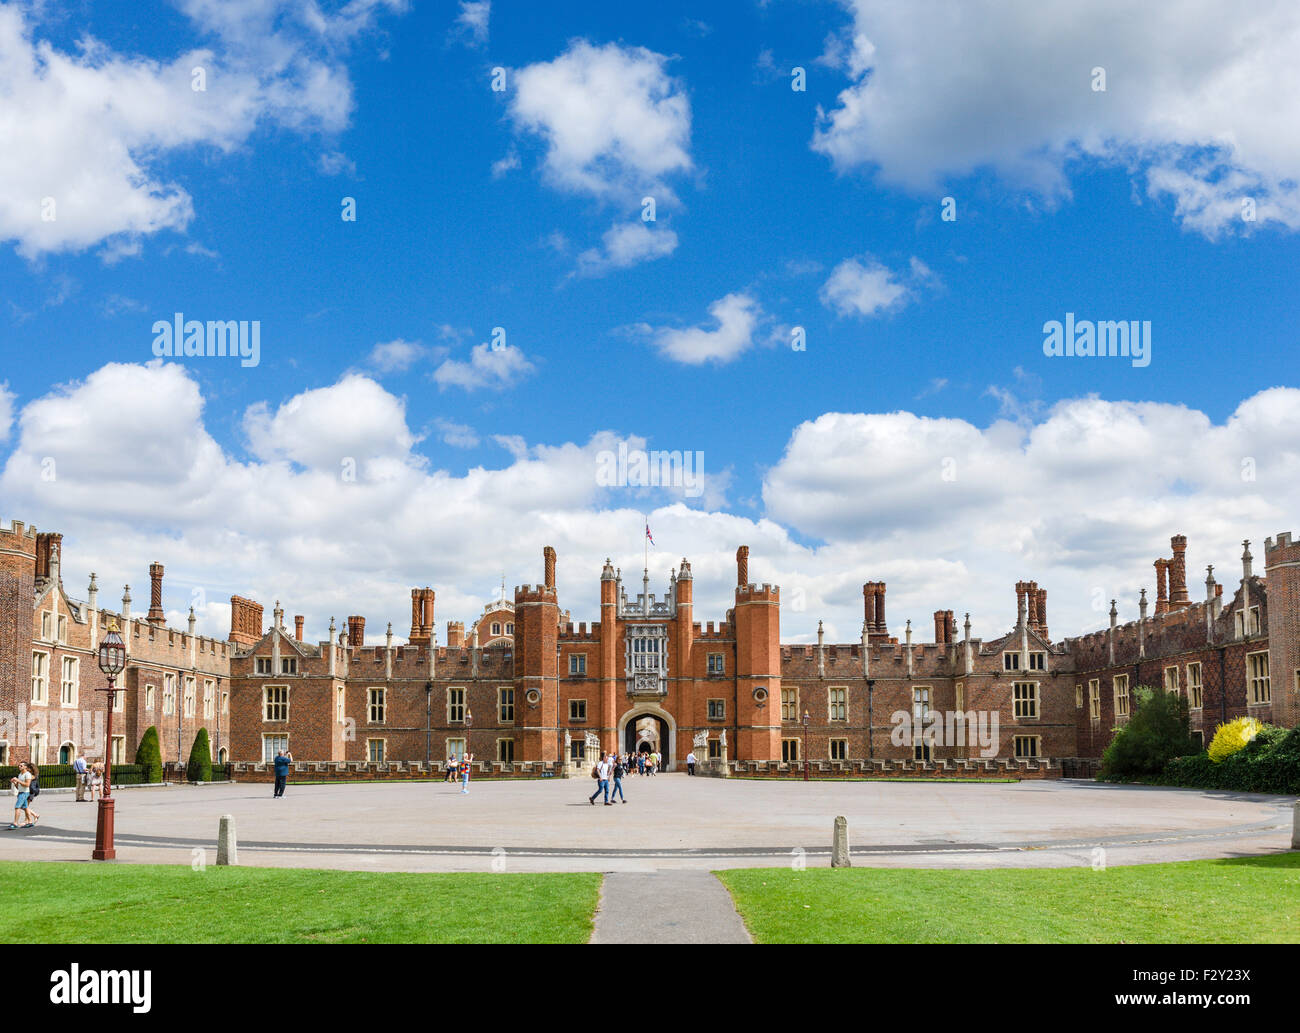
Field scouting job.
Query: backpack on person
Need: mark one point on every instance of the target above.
(595, 771)
(34, 790)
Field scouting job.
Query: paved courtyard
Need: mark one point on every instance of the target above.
(670, 822)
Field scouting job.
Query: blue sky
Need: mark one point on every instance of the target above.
(444, 248)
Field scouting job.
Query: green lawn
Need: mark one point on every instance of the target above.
(110, 903)
(1246, 900)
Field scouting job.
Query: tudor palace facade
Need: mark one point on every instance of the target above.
(526, 689)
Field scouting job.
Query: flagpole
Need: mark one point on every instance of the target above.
(645, 540)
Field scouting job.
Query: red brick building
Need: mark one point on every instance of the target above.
(50, 709)
(527, 687)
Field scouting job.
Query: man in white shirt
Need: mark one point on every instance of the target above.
(690, 763)
(603, 769)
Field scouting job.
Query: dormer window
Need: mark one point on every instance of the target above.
(288, 665)
(1038, 661)
(1011, 661)
(263, 665)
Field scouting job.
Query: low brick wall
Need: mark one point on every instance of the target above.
(356, 771)
(942, 769)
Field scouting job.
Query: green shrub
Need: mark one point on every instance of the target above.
(1268, 764)
(199, 768)
(149, 755)
(1155, 734)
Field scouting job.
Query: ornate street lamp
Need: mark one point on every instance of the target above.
(112, 661)
(428, 723)
(806, 719)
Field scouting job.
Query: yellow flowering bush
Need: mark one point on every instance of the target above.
(1235, 735)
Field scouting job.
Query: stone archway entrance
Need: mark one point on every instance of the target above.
(646, 729)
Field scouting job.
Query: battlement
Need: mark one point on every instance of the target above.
(752, 593)
(18, 536)
(535, 594)
(1280, 550)
(568, 631)
(723, 631)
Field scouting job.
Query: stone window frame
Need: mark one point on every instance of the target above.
(1247, 621)
(262, 665)
(784, 703)
(460, 751)
(453, 706)
(274, 737)
(340, 705)
(505, 760)
(1078, 696)
(1011, 660)
(578, 710)
(504, 705)
(1254, 681)
(715, 749)
(288, 665)
(43, 699)
(577, 665)
(832, 703)
(1038, 660)
(47, 625)
(209, 699)
(1116, 683)
(149, 689)
(720, 668)
(790, 750)
(496, 629)
(61, 629)
(718, 712)
(268, 702)
(190, 700)
(1029, 707)
(377, 705)
(1036, 747)
(370, 750)
(65, 698)
(35, 745)
(842, 744)
(1176, 687)
(1196, 686)
(1094, 699)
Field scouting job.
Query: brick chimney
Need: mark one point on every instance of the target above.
(1031, 599)
(881, 625)
(455, 634)
(1162, 589)
(356, 632)
(869, 605)
(941, 626)
(245, 621)
(1178, 597)
(742, 566)
(1042, 612)
(156, 615)
(548, 562)
(952, 627)
(422, 600)
(297, 627)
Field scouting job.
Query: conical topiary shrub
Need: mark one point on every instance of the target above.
(199, 768)
(149, 755)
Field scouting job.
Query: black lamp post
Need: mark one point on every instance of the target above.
(428, 723)
(806, 719)
(112, 661)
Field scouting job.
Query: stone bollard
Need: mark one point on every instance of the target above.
(227, 848)
(840, 844)
(1295, 828)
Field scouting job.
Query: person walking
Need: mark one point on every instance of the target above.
(619, 771)
(80, 777)
(640, 763)
(453, 766)
(96, 782)
(690, 763)
(282, 761)
(34, 790)
(465, 763)
(21, 784)
(603, 769)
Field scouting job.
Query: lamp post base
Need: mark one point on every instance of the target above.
(104, 832)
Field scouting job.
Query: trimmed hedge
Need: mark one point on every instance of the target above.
(199, 768)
